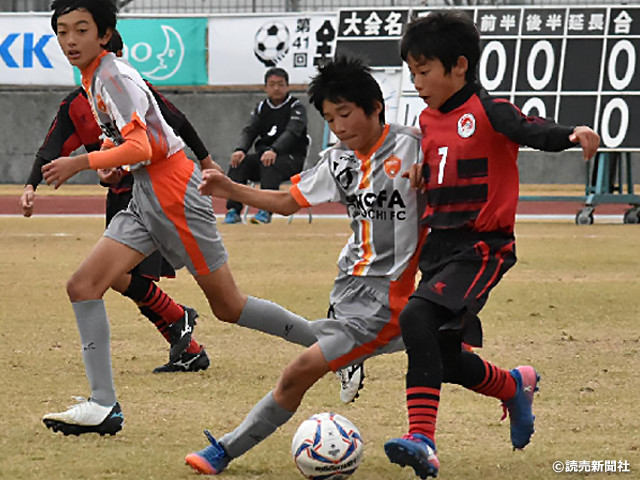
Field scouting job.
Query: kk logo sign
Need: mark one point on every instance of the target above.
(32, 47)
(30, 54)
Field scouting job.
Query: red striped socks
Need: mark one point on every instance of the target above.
(497, 383)
(162, 304)
(422, 405)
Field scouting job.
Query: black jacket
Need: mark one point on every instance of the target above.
(282, 128)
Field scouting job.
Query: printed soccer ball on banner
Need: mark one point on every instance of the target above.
(327, 446)
(271, 43)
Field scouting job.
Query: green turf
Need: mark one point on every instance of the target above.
(570, 307)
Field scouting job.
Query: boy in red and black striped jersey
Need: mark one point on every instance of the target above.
(470, 144)
(75, 126)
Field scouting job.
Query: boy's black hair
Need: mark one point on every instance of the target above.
(445, 36)
(115, 43)
(278, 72)
(346, 80)
(104, 12)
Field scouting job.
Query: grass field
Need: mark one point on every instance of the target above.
(570, 307)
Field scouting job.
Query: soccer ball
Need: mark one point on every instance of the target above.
(327, 446)
(271, 43)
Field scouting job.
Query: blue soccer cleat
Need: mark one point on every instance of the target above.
(520, 406)
(414, 450)
(211, 460)
(232, 216)
(262, 216)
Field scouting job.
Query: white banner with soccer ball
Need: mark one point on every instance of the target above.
(242, 48)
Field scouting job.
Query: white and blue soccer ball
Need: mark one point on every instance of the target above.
(327, 446)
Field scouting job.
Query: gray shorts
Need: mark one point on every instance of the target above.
(164, 215)
(363, 324)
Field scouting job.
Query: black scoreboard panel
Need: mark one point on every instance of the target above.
(578, 65)
(375, 52)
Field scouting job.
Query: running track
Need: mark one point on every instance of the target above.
(95, 205)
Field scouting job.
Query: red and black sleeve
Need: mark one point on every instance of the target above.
(180, 124)
(60, 137)
(531, 131)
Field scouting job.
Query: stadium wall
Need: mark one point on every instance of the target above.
(216, 81)
(218, 116)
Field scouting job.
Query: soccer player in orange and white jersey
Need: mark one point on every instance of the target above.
(377, 266)
(74, 126)
(166, 212)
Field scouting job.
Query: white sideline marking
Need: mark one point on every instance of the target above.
(55, 215)
(333, 216)
(28, 235)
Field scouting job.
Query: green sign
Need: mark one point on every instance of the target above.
(166, 51)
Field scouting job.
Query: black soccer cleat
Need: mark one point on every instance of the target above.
(180, 333)
(188, 362)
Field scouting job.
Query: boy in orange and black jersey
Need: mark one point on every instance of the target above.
(470, 144)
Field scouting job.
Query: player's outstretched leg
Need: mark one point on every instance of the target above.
(415, 450)
(211, 460)
(520, 406)
(351, 382)
(86, 416)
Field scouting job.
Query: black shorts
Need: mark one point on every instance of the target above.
(459, 268)
(155, 265)
(115, 203)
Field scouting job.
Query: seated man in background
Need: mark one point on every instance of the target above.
(279, 122)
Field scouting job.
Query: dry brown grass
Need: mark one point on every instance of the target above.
(570, 307)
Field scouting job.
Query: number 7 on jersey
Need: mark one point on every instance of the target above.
(442, 151)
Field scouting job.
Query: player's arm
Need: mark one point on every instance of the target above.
(61, 139)
(28, 197)
(188, 133)
(537, 132)
(217, 184)
(135, 148)
(180, 124)
(588, 139)
(209, 163)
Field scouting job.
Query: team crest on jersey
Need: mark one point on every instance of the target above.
(392, 166)
(466, 125)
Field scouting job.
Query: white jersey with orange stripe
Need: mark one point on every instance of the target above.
(119, 97)
(384, 210)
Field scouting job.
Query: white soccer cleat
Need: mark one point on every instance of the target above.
(86, 416)
(351, 381)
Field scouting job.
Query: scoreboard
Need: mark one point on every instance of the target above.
(577, 65)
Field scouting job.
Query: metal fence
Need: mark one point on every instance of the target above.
(274, 6)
